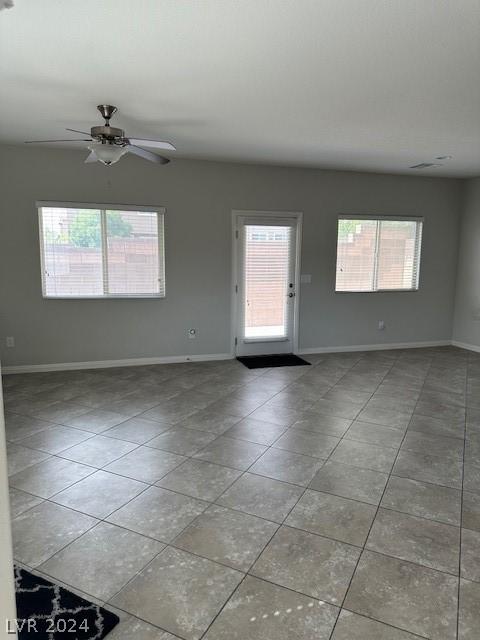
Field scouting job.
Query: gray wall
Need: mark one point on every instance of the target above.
(199, 197)
(467, 305)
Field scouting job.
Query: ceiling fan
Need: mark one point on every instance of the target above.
(109, 144)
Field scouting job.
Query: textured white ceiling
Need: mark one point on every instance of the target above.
(374, 85)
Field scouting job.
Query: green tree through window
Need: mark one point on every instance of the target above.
(85, 230)
(346, 227)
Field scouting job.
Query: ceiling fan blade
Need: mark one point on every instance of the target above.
(155, 144)
(91, 157)
(86, 133)
(71, 140)
(147, 155)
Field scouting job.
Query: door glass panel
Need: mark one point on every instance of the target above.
(266, 269)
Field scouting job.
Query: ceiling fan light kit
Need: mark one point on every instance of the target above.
(107, 153)
(108, 144)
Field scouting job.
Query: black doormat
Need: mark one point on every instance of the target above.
(46, 611)
(282, 360)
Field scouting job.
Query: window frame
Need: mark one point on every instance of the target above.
(377, 218)
(103, 207)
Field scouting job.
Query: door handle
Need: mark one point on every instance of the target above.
(291, 294)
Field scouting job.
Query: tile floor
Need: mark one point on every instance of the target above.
(338, 501)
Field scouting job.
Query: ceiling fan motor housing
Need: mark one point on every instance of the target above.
(107, 133)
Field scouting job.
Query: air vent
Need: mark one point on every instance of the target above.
(425, 165)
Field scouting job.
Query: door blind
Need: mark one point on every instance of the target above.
(267, 260)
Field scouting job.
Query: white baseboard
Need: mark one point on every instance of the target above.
(105, 364)
(135, 362)
(465, 345)
(375, 347)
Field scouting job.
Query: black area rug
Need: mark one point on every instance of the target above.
(282, 360)
(46, 611)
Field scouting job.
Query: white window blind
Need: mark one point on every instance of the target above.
(266, 272)
(378, 254)
(101, 252)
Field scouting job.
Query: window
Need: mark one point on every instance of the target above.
(100, 251)
(378, 254)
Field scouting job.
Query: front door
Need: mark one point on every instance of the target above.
(266, 283)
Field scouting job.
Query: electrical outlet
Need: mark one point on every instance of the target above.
(10, 341)
(381, 325)
(192, 333)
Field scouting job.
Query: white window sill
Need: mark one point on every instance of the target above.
(140, 296)
(378, 291)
